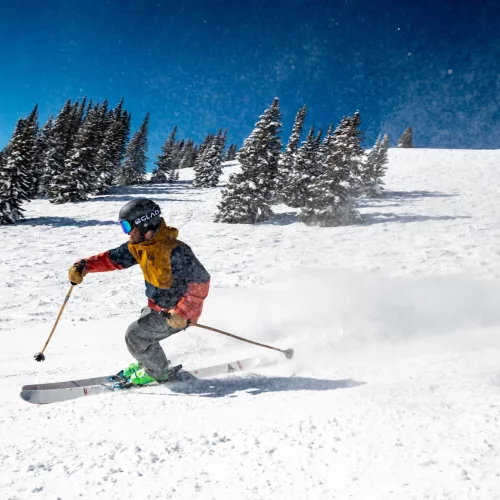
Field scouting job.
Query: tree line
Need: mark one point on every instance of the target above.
(85, 150)
(322, 176)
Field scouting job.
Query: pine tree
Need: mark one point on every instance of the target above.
(42, 142)
(79, 174)
(189, 155)
(249, 193)
(231, 153)
(324, 146)
(406, 140)
(346, 154)
(112, 149)
(164, 162)
(30, 146)
(16, 180)
(210, 170)
(177, 155)
(57, 141)
(133, 170)
(286, 164)
(200, 155)
(303, 173)
(375, 167)
(330, 201)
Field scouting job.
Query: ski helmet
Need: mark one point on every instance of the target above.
(141, 213)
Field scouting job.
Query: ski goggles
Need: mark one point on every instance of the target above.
(126, 226)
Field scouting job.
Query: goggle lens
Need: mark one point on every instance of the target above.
(126, 226)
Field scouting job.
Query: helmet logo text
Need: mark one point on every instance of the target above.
(146, 217)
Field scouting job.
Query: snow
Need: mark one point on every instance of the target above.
(393, 391)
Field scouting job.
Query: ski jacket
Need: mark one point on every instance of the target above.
(174, 277)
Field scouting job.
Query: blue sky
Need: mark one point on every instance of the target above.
(203, 65)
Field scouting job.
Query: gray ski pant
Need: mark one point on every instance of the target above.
(143, 341)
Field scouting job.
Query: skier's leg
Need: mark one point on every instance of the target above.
(143, 341)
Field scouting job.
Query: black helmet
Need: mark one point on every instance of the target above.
(141, 213)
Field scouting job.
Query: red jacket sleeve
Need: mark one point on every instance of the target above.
(101, 263)
(191, 303)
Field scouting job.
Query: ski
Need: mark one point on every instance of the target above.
(63, 391)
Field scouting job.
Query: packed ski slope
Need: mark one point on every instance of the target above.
(394, 389)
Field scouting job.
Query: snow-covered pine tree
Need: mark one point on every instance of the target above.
(286, 164)
(324, 145)
(189, 155)
(231, 152)
(112, 149)
(133, 169)
(249, 193)
(346, 153)
(79, 175)
(200, 155)
(57, 141)
(375, 167)
(330, 201)
(406, 140)
(205, 144)
(16, 180)
(303, 173)
(42, 142)
(162, 171)
(30, 146)
(210, 170)
(177, 156)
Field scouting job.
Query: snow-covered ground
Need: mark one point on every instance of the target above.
(394, 391)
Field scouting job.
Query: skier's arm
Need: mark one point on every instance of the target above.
(112, 260)
(186, 266)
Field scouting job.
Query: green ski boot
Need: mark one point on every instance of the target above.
(141, 377)
(129, 371)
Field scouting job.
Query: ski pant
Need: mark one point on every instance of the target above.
(143, 341)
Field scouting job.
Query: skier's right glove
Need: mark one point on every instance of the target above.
(77, 272)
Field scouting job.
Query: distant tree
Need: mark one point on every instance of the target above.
(375, 167)
(16, 182)
(164, 161)
(303, 172)
(200, 155)
(112, 149)
(42, 143)
(133, 170)
(177, 156)
(249, 193)
(189, 155)
(79, 174)
(406, 140)
(205, 144)
(286, 164)
(57, 141)
(330, 201)
(210, 169)
(346, 153)
(324, 145)
(231, 152)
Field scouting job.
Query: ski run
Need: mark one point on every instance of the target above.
(393, 392)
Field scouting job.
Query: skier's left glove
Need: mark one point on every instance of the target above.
(175, 320)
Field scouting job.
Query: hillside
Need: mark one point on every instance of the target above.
(392, 394)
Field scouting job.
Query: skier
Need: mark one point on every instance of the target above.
(176, 286)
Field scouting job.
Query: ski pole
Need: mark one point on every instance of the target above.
(287, 352)
(39, 356)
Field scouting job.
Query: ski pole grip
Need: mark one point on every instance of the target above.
(80, 268)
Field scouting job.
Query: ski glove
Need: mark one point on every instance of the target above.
(77, 272)
(175, 320)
